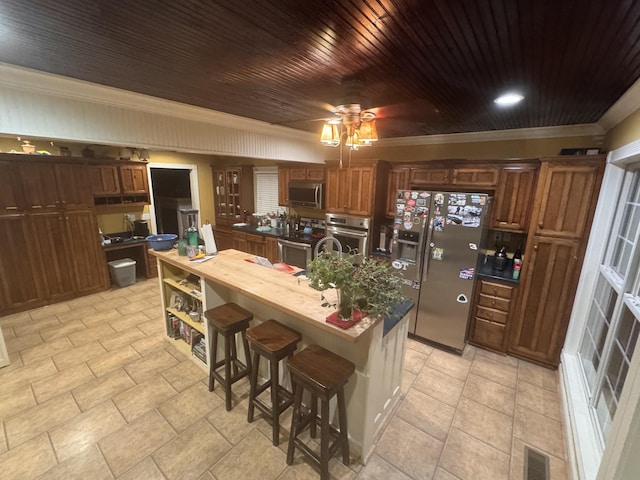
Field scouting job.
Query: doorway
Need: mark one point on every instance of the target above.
(173, 187)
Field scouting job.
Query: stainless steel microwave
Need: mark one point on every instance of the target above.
(306, 194)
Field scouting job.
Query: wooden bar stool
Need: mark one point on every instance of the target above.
(274, 341)
(227, 320)
(323, 374)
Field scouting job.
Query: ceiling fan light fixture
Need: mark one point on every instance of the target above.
(357, 126)
(508, 99)
(368, 133)
(330, 135)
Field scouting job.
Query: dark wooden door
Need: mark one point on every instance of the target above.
(546, 298)
(514, 196)
(21, 284)
(39, 186)
(336, 198)
(134, 179)
(73, 189)
(359, 191)
(104, 180)
(11, 199)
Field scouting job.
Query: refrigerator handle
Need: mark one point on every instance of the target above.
(426, 257)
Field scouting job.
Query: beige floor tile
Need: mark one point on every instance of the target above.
(15, 319)
(71, 358)
(148, 366)
(497, 357)
(499, 372)
(427, 414)
(420, 460)
(85, 430)
(239, 391)
(116, 293)
(142, 296)
(449, 363)
(96, 332)
(469, 352)
(145, 470)
(3, 439)
(7, 332)
(15, 400)
(232, 425)
(490, 394)
(208, 476)
(557, 468)
(110, 361)
(151, 327)
(414, 361)
(65, 329)
(197, 449)
(121, 338)
(103, 388)
(540, 400)
(127, 321)
(49, 310)
(419, 347)
(154, 313)
(129, 445)
(87, 465)
(135, 307)
(18, 344)
(76, 313)
(539, 431)
(442, 474)
(484, 423)
(184, 374)
(188, 407)
(82, 301)
(28, 460)
(111, 304)
(538, 376)
(32, 326)
(467, 458)
(100, 318)
(377, 468)
(39, 419)
(149, 345)
(44, 350)
(143, 397)
(439, 385)
(62, 382)
(407, 381)
(11, 377)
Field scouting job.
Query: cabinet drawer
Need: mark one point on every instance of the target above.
(489, 333)
(491, 314)
(426, 176)
(496, 290)
(496, 303)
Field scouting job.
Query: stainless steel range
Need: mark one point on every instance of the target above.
(296, 248)
(354, 233)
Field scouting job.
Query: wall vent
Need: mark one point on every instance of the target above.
(536, 465)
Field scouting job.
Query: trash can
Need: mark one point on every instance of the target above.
(123, 272)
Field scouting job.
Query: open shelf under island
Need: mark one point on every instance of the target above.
(377, 350)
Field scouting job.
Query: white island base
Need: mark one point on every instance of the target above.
(372, 393)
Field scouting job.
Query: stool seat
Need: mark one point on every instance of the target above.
(324, 374)
(228, 320)
(273, 341)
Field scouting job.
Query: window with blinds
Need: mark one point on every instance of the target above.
(265, 181)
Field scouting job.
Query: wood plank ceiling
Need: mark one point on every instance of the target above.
(424, 66)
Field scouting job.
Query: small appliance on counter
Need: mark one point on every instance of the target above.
(141, 228)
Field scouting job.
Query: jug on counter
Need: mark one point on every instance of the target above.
(500, 259)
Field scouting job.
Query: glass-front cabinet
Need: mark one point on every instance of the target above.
(233, 194)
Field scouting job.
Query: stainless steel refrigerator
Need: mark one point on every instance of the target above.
(436, 238)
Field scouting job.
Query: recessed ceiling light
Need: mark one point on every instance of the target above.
(508, 99)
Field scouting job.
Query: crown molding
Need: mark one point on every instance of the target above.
(625, 106)
(64, 87)
(590, 129)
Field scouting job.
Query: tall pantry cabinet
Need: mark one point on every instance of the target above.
(565, 202)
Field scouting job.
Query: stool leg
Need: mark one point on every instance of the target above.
(342, 413)
(246, 349)
(227, 371)
(253, 387)
(295, 418)
(324, 440)
(214, 357)
(314, 415)
(275, 402)
(234, 354)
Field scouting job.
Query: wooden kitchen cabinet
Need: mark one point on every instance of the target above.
(566, 188)
(21, 288)
(11, 198)
(398, 180)
(283, 186)
(493, 308)
(232, 193)
(514, 197)
(271, 245)
(475, 177)
(550, 280)
(223, 236)
(133, 179)
(104, 180)
(429, 176)
(240, 241)
(350, 190)
(256, 245)
(51, 186)
(315, 174)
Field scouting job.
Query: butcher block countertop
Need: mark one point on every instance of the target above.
(282, 291)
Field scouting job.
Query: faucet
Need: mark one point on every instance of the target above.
(316, 250)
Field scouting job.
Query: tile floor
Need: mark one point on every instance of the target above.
(95, 391)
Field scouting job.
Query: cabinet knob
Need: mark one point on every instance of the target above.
(535, 248)
(490, 315)
(10, 208)
(493, 302)
(495, 291)
(540, 225)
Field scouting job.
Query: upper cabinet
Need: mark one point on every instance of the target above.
(475, 177)
(119, 184)
(459, 176)
(398, 180)
(352, 190)
(232, 193)
(429, 176)
(297, 172)
(514, 197)
(11, 198)
(312, 174)
(283, 186)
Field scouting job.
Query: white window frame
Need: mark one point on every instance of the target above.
(262, 170)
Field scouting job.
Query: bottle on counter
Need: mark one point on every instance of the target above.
(517, 263)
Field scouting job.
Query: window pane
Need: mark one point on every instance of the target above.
(625, 238)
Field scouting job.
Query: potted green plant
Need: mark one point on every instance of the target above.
(361, 282)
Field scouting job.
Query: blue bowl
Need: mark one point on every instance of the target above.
(162, 241)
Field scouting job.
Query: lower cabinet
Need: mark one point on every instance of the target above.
(223, 237)
(550, 278)
(494, 305)
(184, 309)
(272, 249)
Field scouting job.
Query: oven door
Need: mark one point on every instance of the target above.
(352, 240)
(294, 253)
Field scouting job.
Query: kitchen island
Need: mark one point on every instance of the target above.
(377, 352)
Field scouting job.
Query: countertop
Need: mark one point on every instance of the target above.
(278, 290)
(128, 241)
(273, 232)
(484, 269)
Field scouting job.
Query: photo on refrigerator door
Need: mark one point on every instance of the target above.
(459, 212)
